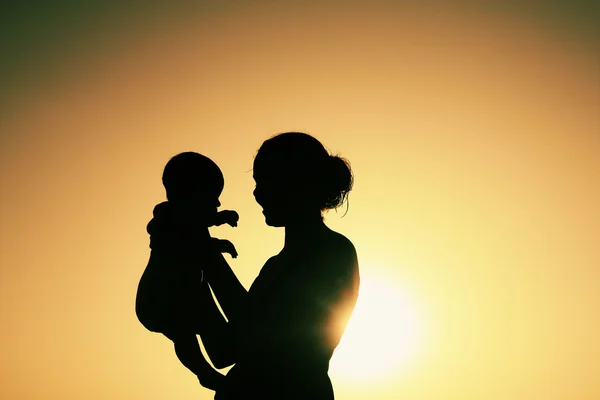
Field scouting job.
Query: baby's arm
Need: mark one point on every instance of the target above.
(224, 246)
(229, 217)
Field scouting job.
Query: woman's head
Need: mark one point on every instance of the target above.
(296, 177)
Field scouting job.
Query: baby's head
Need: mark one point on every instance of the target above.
(193, 182)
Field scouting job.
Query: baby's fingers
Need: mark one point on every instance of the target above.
(232, 251)
(233, 218)
(228, 247)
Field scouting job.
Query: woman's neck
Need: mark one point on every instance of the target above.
(303, 230)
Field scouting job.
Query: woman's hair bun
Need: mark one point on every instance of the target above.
(338, 183)
(321, 179)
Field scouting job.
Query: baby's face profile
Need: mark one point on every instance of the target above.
(200, 203)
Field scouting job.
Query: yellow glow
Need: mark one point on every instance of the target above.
(473, 132)
(381, 336)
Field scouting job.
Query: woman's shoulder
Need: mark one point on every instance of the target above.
(333, 267)
(336, 256)
(340, 245)
(266, 273)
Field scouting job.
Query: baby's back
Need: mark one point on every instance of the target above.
(168, 286)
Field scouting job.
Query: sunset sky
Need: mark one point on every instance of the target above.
(473, 129)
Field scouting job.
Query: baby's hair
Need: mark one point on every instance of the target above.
(187, 172)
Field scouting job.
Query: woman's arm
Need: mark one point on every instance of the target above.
(215, 332)
(230, 293)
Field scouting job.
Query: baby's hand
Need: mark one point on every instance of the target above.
(225, 246)
(229, 217)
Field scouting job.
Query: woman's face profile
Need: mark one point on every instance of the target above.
(274, 192)
(286, 175)
(268, 195)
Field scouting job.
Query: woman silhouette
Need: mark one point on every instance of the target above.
(282, 332)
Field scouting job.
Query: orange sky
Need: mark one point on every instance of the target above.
(475, 140)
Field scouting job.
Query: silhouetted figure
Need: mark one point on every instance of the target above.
(168, 299)
(281, 333)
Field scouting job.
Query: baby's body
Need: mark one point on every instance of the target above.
(167, 299)
(167, 293)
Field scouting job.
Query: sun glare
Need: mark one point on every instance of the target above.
(381, 334)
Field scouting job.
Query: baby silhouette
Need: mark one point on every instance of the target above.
(167, 299)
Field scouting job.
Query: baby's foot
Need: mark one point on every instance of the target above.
(212, 380)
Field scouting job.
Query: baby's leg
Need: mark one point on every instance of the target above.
(189, 353)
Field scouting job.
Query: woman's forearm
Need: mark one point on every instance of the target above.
(215, 332)
(229, 291)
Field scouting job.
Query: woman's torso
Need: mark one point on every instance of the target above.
(284, 343)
